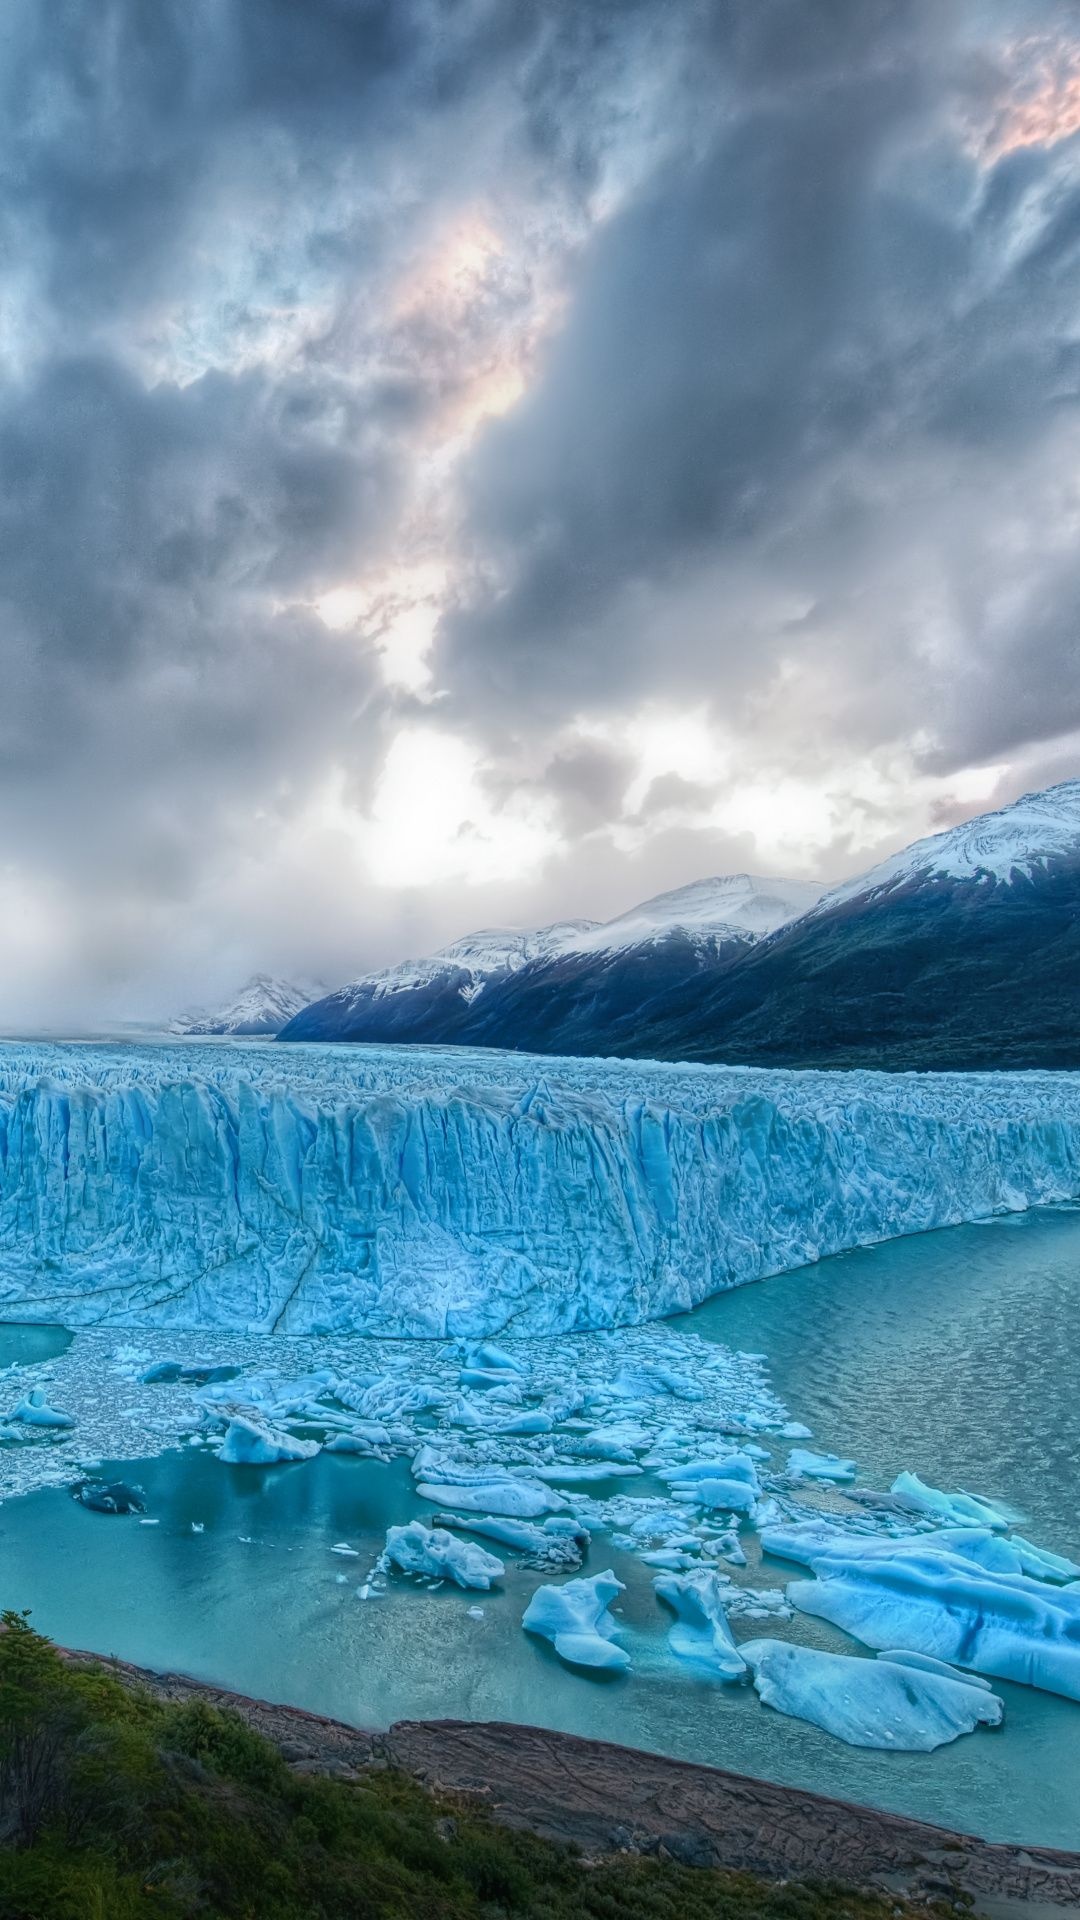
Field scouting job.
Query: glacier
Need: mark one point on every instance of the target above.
(444, 1193)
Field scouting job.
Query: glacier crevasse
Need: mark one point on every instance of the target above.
(441, 1192)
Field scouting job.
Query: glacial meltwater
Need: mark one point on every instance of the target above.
(951, 1354)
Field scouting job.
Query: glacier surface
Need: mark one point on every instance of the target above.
(433, 1193)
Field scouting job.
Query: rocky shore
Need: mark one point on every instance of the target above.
(604, 1798)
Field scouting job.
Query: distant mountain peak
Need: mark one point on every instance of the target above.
(1017, 839)
(264, 1005)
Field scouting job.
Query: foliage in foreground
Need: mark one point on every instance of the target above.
(114, 1806)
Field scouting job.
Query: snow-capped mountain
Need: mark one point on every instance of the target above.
(962, 951)
(714, 910)
(264, 1005)
(1012, 843)
(552, 986)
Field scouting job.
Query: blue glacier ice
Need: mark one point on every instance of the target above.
(893, 1702)
(960, 1595)
(447, 1192)
(575, 1618)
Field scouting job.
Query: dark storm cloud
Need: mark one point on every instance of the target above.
(825, 298)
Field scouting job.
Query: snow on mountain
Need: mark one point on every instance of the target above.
(1018, 839)
(426, 1192)
(725, 907)
(483, 955)
(728, 907)
(263, 1006)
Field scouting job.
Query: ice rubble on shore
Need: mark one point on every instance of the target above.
(435, 1193)
(893, 1702)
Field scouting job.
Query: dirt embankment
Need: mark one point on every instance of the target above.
(605, 1798)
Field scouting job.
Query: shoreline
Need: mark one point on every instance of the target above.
(564, 1788)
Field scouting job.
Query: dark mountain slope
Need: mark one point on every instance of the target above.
(940, 973)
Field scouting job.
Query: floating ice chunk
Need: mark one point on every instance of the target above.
(495, 1358)
(520, 1499)
(757, 1603)
(571, 1472)
(475, 1613)
(902, 1658)
(820, 1466)
(794, 1430)
(957, 1509)
(869, 1703)
(728, 1483)
(575, 1618)
(109, 1496)
(946, 1605)
(725, 1466)
(671, 1559)
(701, 1632)
(250, 1442)
(1042, 1565)
(343, 1547)
(534, 1422)
(728, 1496)
(559, 1541)
(419, 1549)
(35, 1411)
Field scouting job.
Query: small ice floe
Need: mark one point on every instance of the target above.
(820, 1466)
(492, 1490)
(431, 1550)
(557, 1542)
(701, 1633)
(960, 1595)
(571, 1473)
(955, 1509)
(575, 1618)
(729, 1483)
(250, 1442)
(757, 1603)
(343, 1547)
(897, 1703)
(35, 1411)
(474, 1613)
(113, 1496)
(198, 1526)
(149, 1523)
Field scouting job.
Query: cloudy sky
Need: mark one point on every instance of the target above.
(485, 460)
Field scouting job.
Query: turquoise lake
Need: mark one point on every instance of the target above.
(951, 1353)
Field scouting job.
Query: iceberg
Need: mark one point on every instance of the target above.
(418, 1549)
(575, 1618)
(939, 1600)
(892, 1703)
(701, 1632)
(35, 1411)
(955, 1509)
(254, 1443)
(434, 1193)
(820, 1466)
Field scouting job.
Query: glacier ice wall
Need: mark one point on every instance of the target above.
(425, 1192)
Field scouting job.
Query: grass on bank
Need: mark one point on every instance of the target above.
(115, 1806)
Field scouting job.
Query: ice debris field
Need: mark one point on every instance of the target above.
(269, 1254)
(650, 1440)
(434, 1193)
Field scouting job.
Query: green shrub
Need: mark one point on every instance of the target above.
(116, 1807)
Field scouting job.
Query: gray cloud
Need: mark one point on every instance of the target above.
(797, 451)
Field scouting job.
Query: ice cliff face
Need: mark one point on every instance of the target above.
(440, 1191)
